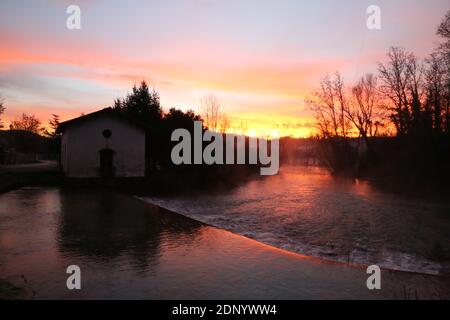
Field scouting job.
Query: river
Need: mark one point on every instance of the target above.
(308, 211)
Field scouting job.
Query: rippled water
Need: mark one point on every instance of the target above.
(305, 210)
(128, 249)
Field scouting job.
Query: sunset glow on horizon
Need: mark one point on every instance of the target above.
(260, 58)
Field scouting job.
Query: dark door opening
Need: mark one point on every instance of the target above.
(107, 163)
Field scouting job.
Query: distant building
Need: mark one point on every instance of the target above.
(102, 144)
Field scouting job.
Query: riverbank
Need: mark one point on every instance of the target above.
(132, 250)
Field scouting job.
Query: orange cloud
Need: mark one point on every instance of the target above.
(258, 88)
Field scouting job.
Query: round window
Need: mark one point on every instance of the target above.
(107, 133)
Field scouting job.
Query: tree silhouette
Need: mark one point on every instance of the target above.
(27, 123)
(53, 124)
(411, 95)
(395, 77)
(444, 29)
(329, 104)
(443, 52)
(363, 110)
(141, 104)
(434, 77)
(2, 110)
(175, 119)
(213, 116)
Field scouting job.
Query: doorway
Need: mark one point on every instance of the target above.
(107, 169)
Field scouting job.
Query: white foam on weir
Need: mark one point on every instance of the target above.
(388, 259)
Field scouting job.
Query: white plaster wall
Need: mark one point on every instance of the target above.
(82, 142)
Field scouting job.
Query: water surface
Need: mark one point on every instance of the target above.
(128, 249)
(305, 210)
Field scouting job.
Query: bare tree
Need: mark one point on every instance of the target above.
(329, 105)
(444, 54)
(415, 89)
(215, 119)
(27, 123)
(395, 78)
(363, 111)
(434, 77)
(444, 32)
(224, 123)
(2, 110)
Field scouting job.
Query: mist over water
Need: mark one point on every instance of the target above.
(306, 210)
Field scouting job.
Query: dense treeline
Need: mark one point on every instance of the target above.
(395, 123)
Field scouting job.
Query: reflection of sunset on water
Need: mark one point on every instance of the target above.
(308, 211)
(151, 253)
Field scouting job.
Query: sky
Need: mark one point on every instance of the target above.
(261, 58)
